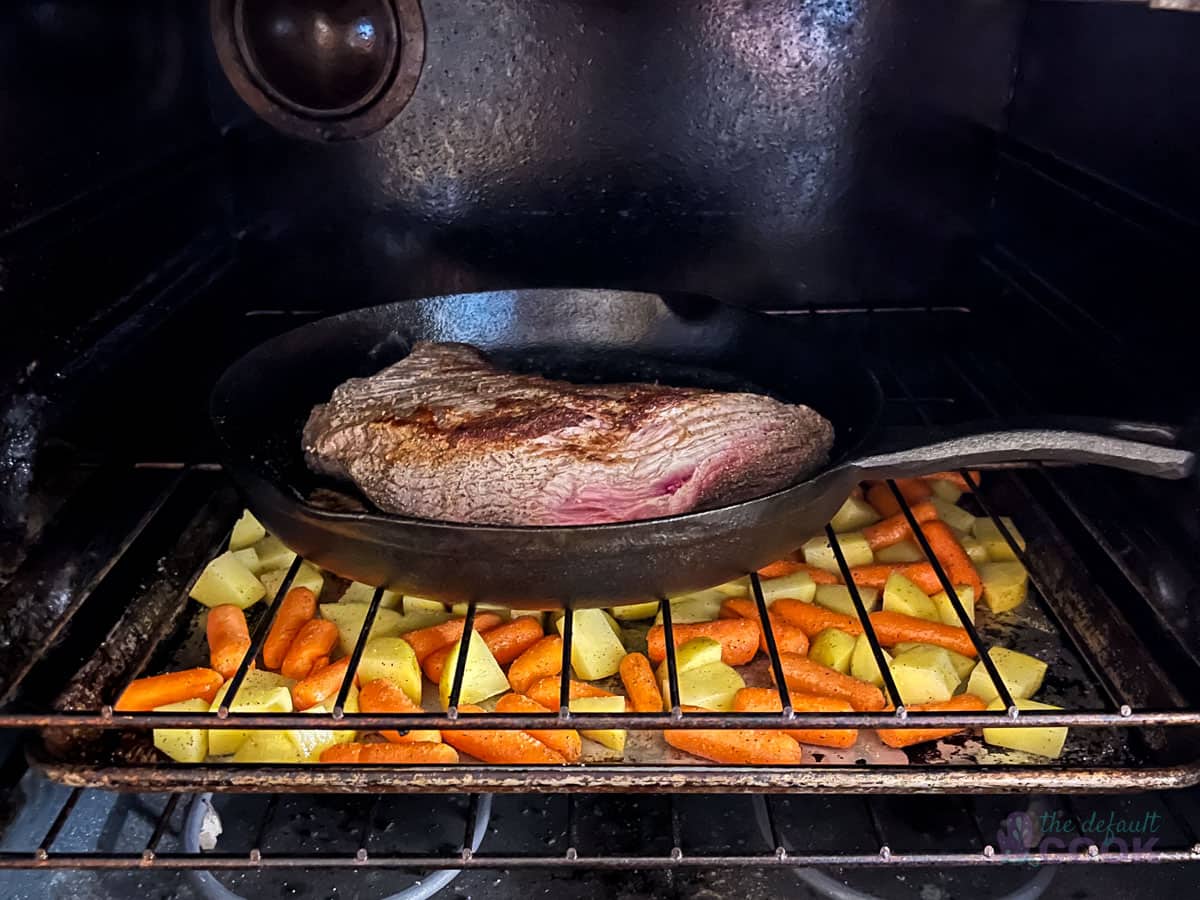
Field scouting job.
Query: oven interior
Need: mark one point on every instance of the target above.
(958, 194)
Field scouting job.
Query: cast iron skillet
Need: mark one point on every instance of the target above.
(261, 402)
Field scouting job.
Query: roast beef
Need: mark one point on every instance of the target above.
(445, 434)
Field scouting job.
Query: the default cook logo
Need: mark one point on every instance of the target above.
(1023, 833)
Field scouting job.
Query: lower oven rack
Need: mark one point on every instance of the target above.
(670, 833)
(1127, 699)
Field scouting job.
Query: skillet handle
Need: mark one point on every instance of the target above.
(1136, 447)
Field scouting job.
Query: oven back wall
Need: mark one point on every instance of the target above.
(772, 153)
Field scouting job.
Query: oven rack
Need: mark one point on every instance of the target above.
(763, 831)
(1135, 692)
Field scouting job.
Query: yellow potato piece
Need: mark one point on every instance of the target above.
(833, 648)
(185, 745)
(482, 675)
(247, 531)
(945, 608)
(392, 658)
(902, 596)
(710, 686)
(635, 611)
(862, 662)
(836, 597)
(311, 743)
(819, 554)
(924, 674)
(596, 652)
(796, 586)
(307, 576)
(260, 692)
(358, 592)
(612, 738)
(702, 606)
(1045, 741)
(1021, 673)
(226, 580)
(349, 619)
(963, 665)
(691, 654)
(854, 515)
(954, 516)
(905, 551)
(987, 532)
(274, 553)
(1005, 585)
(268, 747)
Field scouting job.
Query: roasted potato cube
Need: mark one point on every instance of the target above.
(596, 651)
(247, 531)
(226, 580)
(185, 745)
(904, 551)
(248, 558)
(1045, 741)
(635, 611)
(312, 742)
(739, 587)
(976, 552)
(924, 675)
(273, 553)
(945, 608)
(612, 738)
(691, 654)
(482, 675)
(261, 691)
(268, 747)
(702, 606)
(945, 490)
(358, 592)
(308, 576)
(349, 619)
(819, 554)
(1022, 675)
(963, 665)
(1005, 585)
(854, 515)
(902, 596)
(460, 609)
(797, 586)
(988, 533)
(833, 648)
(393, 659)
(837, 598)
(710, 686)
(862, 662)
(954, 516)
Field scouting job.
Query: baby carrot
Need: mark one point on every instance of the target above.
(543, 659)
(298, 607)
(382, 696)
(767, 700)
(228, 638)
(506, 642)
(802, 674)
(950, 553)
(894, 529)
(738, 639)
(415, 753)
(738, 746)
(788, 637)
(880, 495)
(782, 567)
(159, 690)
(316, 638)
(922, 574)
(562, 740)
(320, 685)
(426, 640)
(906, 737)
(641, 687)
(813, 619)
(897, 628)
(545, 691)
(501, 747)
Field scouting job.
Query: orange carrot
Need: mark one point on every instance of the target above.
(950, 553)
(788, 637)
(545, 691)
(738, 639)
(297, 608)
(501, 747)
(319, 663)
(228, 638)
(921, 574)
(767, 700)
(562, 740)
(641, 687)
(426, 640)
(897, 628)
(782, 567)
(738, 746)
(316, 638)
(906, 737)
(543, 659)
(895, 529)
(506, 642)
(802, 674)
(173, 687)
(813, 619)
(382, 696)
(321, 685)
(880, 495)
(415, 753)
(955, 478)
